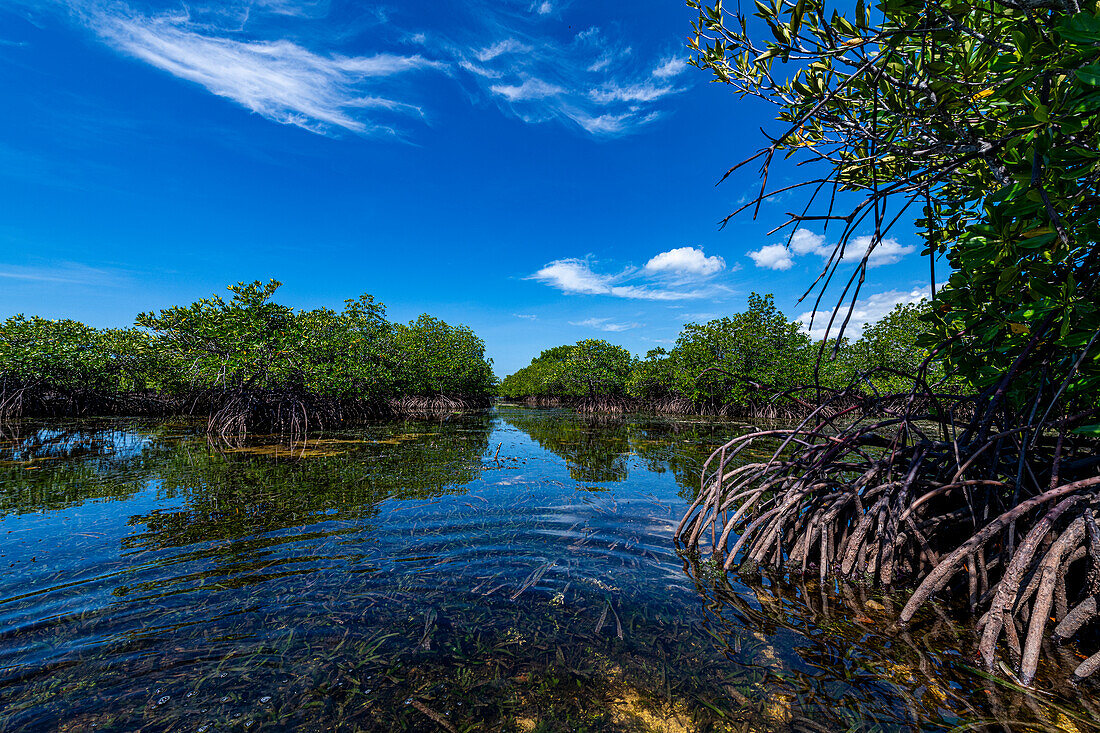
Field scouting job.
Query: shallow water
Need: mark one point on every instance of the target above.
(510, 571)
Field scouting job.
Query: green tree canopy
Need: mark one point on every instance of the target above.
(976, 119)
(979, 121)
(246, 341)
(68, 358)
(436, 359)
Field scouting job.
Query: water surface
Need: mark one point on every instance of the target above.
(511, 571)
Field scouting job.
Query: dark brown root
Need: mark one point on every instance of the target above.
(601, 404)
(434, 405)
(231, 414)
(542, 401)
(885, 494)
(20, 399)
(234, 414)
(604, 405)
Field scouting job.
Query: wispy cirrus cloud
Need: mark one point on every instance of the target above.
(677, 274)
(781, 257)
(530, 89)
(72, 273)
(591, 80)
(669, 67)
(277, 79)
(291, 62)
(606, 324)
(500, 48)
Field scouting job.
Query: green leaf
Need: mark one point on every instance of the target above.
(1090, 74)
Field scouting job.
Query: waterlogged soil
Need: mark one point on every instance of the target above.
(512, 571)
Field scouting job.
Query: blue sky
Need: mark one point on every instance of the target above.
(540, 171)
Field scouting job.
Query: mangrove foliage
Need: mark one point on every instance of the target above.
(248, 363)
(980, 121)
(753, 363)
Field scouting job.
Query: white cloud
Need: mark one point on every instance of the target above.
(573, 276)
(867, 311)
(605, 324)
(648, 293)
(253, 53)
(886, 252)
(773, 257)
(685, 261)
(643, 92)
(500, 48)
(670, 67)
(481, 71)
(803, 242)
(607, 124)
(278, 79)
(601, 63)
(526, 316)
(589, 34)
(589, 81)
(529, 89)
(576, 277)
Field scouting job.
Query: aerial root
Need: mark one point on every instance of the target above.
(893, 499)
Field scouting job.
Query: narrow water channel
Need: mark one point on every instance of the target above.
(512, 571)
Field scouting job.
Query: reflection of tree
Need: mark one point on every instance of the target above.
(248, 492)
(65, 464)
(679, 446)
(596, 448)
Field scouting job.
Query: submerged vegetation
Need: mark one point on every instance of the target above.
(458, 573)
(755, 363)
(984, 115)
(248, 363)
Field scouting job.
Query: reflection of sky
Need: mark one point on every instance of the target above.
(537, 511)
(69, 560)
(119, 444)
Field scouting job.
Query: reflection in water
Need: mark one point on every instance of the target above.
(598, 448)
(250, 491)
(413, 576)
(834, 656)
(86, 460)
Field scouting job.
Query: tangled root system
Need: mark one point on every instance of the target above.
(930, 491)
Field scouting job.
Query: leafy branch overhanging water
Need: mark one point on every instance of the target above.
(984, 117)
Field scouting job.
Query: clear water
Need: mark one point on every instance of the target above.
(511, 571)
